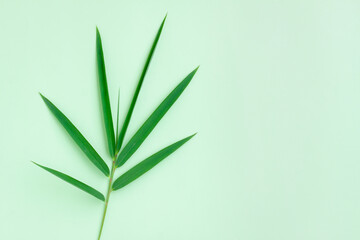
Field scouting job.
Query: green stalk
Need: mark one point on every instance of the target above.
(107, 195)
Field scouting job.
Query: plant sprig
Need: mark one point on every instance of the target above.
(116, 137)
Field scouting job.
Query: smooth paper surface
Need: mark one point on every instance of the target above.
(275, 102)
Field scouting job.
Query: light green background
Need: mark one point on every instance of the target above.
(276, 103)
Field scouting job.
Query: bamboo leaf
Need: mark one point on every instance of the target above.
(109, 127)
(78, 137)
(152, 121)
(137, 91)
(147, 164)
(117, 118)
(73, 181)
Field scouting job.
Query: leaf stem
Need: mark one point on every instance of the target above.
(107, 195)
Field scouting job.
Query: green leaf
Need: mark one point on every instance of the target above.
(109, 127)
(78, 137)
(137, 91)
(147, 164)
(117, 117)
(74, 182)
(152, 121)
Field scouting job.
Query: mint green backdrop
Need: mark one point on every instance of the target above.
(276, 104)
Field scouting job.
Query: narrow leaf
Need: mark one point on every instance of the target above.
(147, 164)
(74, 182)
(109, 127)
(152, 121)
(78, 137)
(117, 118)
(137, 91)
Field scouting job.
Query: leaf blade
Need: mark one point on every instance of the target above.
(104, 92)
(117, 118)
(140, 136)
(147, 164)
(74, 182)
(137, 91)
(80, 140)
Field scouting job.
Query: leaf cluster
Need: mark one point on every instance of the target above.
(118, 153)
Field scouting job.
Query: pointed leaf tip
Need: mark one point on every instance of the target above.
(191, 136)
(74, 182)
(195, 70)
(42, 96)
(79, 139)
(138, 88)
(148, 164)
(105, 99)
(147, 127)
